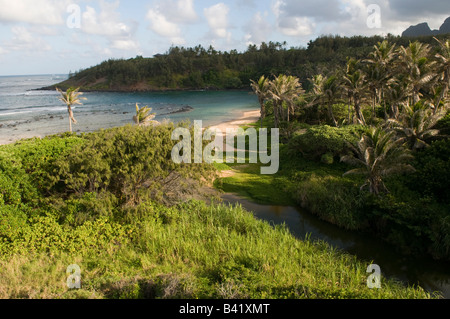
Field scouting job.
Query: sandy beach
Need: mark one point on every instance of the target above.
(9, 135)
(246, 118)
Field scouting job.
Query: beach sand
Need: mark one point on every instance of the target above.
(247, 117)
(10, 135)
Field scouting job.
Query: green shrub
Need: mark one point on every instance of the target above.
(334, 199)
(327, 158)
(132, 163)
(320, 140)
(433, 171)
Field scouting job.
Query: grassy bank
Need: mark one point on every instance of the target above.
(108, 202)
(413, 216)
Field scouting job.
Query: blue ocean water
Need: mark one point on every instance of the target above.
(26, 112)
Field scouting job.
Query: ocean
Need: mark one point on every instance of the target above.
(27, 112)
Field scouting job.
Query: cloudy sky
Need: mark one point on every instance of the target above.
(58, 36)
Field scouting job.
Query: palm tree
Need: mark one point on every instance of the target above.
(415, 125)
(293, 93)
(71, 97)
(325, 90)
(397, 93)
(443, 70)
(142, 116)
(415, 63)
(355, 85)
(378, 155)
(284, 89)
(261, 89)
(380, 61)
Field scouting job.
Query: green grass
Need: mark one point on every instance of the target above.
(248, 182)
(202, 252)
(154, 250)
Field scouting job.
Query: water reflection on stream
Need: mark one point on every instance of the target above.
(429, 274)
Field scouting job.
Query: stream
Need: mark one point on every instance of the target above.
(423, 271)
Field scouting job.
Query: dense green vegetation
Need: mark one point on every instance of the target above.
(366, 148)
(108, 202)
(363, 147)
(207, 68)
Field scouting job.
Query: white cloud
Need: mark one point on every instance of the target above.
(24, 41)
(217, 17)
(167, 18)
(107, 23)
(291, 23)
(179, 11)
(258, 29)
(125, 45)
(45, 12)
(162, 26)
(297, 26)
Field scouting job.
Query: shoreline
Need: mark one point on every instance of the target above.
(246, 117)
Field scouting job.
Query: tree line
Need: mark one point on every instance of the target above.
(399, 93)
(207, 68)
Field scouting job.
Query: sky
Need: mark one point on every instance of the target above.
(62, 36)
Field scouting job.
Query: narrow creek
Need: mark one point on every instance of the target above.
(423, 271)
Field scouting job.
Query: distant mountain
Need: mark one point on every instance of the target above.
(445, 28)
(423, 29)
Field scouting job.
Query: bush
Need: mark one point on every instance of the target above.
(320, 140)
(333, 199)
(433, 171)
(131, 162)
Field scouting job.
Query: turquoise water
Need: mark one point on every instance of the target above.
(25, 112)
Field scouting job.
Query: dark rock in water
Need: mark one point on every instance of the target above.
(52, 117)
(1, 125)
(184, 109)
(126, 112)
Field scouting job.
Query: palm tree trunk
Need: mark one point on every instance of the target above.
(70, 119)
(359, 114)
(275, 113)
(330, 113)
(441, 96)
(263, 112)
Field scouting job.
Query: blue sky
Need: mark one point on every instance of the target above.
(58, 36)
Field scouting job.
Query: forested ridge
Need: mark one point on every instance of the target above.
(202, 68)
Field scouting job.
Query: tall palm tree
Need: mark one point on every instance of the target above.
(378, 155)
(415, 63)
(284, 89)
(355, 85)
(397, 93)
(416, 125)
(71, 97)
(325, 91)
(380, 61)
(143, 116)
(293, 93)
(443, 70)
(261, 89)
